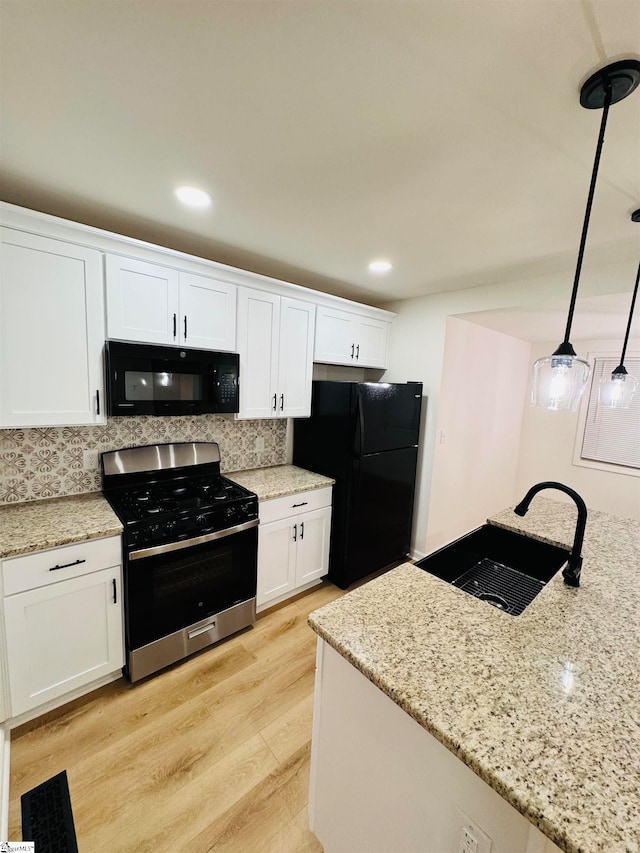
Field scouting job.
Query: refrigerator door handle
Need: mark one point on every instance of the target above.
(360, 427)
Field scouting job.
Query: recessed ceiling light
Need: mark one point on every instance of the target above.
(193, 197)
(379, 267)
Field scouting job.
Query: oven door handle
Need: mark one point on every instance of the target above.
(189, 543)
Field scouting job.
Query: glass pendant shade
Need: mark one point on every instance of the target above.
(559, 381)
(616, 391)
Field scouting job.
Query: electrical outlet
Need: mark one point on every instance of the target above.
(259, 443)
(472, 838)
(90, 460)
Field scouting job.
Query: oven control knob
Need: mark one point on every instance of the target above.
(201, 520)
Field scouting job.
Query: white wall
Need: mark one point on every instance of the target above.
(546, 450)
(485, 380)
(418, 339)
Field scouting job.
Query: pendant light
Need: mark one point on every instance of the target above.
(617, 390)
(559, 379)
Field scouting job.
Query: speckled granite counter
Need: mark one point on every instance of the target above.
(280, 480)
(37, 525)
(544, 707)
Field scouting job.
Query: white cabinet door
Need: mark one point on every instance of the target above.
(51, 332)
(371, 342)
(142, 301)
(352, 339)
(295, 369)
(312, 558)
(276, 560)
(207, 312)
(63, 636)
(335, 336)
(258, 330)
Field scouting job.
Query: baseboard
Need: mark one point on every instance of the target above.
(54, 704)
(4, 783)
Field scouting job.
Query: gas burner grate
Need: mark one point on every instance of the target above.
(47, 818)
(503, 587)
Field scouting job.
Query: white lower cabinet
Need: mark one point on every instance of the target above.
(63, 620)
(293, 544)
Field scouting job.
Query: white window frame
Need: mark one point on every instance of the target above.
(582, 419)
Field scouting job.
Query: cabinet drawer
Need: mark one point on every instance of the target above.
(58, 564)
(277, 508)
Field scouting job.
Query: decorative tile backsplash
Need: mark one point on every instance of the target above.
(47, 462)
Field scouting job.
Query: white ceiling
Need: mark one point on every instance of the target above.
(445, 135)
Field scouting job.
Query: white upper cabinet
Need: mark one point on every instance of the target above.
(352, 339)
(142, 301)
(51, 332)
(275, 342)
(207, 312)
(154, 304)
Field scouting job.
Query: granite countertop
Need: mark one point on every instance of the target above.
(544, 707)
(280, 480)
(37, 525)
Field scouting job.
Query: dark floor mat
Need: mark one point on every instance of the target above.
(47, 818)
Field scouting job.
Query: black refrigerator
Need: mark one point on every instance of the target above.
(365, 436)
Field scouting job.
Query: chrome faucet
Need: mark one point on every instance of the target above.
(571, 572)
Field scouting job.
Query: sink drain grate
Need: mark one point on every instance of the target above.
(501, 586)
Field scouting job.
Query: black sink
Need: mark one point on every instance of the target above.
(503, 568)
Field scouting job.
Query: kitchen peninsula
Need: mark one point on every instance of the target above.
(540, 711)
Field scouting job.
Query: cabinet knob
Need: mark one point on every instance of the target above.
(282, 402)
(175, 325)
(353, 346)
(295, 532)
(185, 327)
(274, 402)
(358, 352)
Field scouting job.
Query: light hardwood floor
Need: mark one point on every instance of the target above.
(210, 755)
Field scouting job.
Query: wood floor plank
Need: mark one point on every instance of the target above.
(295, 835)
(263, 812)
(209, 755)
(290, 731)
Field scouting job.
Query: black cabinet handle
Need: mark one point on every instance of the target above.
(358, 352)
(274, 402)
(185, 327)
(295, 532)
(97, 401)
(115, 591)
(66, 565)
(304, 503)
(302, 530)
(175, 327)
(353, 346)
(282, 402)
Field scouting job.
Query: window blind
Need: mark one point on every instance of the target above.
(612, 435)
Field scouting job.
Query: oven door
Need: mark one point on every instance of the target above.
(181, 584)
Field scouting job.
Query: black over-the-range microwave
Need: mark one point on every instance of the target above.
(154, 380)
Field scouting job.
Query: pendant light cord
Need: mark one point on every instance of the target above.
(587, 214)
(626, 337)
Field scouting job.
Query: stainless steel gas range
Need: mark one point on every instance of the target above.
(190, 550)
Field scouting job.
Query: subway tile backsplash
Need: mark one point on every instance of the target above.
(47, 462)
